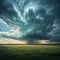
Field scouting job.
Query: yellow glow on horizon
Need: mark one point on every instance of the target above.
(42, 41)
(11, 41)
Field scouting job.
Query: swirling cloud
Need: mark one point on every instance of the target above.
(30, 19)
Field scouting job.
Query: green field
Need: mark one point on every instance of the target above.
(30, 52)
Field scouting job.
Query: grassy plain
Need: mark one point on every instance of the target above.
(30, 52)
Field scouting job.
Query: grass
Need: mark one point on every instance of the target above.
(30, 52)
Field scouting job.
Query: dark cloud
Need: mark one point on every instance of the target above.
(37, 19)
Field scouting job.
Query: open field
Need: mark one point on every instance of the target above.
(30, 52)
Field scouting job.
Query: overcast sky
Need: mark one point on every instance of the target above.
(30, 19)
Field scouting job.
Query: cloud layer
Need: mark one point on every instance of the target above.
(30, 19)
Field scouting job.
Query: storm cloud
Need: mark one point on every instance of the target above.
(30, 19)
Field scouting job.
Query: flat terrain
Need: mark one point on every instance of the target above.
(30, 52)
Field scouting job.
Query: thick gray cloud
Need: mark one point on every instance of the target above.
(36, 19)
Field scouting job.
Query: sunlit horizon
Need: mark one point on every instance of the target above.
(13, 41)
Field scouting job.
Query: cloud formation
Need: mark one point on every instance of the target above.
(30, 19)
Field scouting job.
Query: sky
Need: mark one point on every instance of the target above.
(30, 20)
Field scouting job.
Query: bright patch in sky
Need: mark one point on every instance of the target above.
(4, 27)
(11, 41)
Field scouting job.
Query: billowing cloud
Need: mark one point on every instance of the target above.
(14, 33)
(30, 19)
(7, 31)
